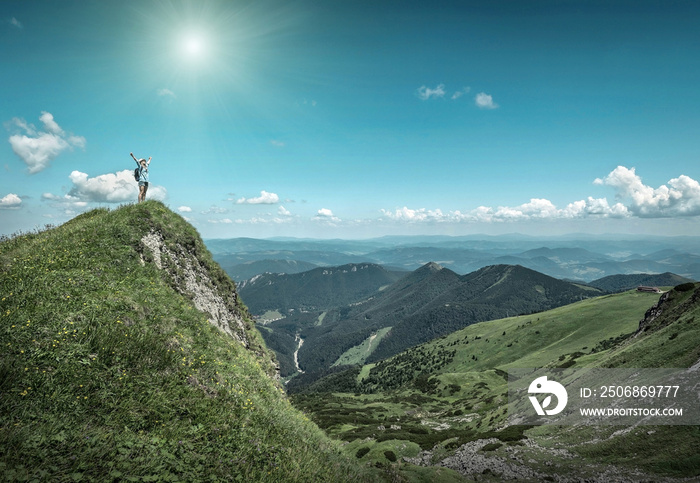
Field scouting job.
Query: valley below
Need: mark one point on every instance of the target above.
(444, 403)
(410, 370)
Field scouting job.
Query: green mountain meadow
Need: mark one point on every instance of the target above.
(444, 402)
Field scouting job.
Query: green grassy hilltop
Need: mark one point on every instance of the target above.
(110, 372)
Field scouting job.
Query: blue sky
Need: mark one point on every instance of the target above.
(356, 119)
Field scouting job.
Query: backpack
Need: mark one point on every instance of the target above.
(136, 173)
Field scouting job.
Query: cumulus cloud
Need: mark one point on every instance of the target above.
(282, 211)
(484, 101)
(10, 200)
(184, 209)
(16, 23)
(425, 93)
(106, 188)
(535, 209)
(414, 215)
(680, 197)
(325, 215)
(594, 207)
(265, 198)
(111, 187)
(37, 148)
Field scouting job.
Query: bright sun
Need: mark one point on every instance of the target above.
(194, 46)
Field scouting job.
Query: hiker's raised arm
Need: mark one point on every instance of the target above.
(132, 155)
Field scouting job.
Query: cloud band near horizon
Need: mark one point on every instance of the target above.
(679, 198)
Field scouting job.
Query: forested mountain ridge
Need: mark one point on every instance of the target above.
(317, 289)
(427, 303)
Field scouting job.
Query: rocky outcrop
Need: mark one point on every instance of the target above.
(505, 462)
(191, 279)
(650, 315)
(671, 306)
(472, 461)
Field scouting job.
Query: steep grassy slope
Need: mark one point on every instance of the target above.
(110, 371)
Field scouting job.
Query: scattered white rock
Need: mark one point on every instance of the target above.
(192, 280)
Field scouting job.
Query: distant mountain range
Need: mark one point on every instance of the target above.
(383, 313)
(576, 257)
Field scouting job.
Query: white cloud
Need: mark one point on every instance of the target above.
(264, 198)
(459, 94)
(411, 215)
(276, 143)
(16, 23)
(484, 101)
(425, 93)
(325, 215)
(68, 201)
(49, 123)
(594, 207)
(112, 187)
(216, 210)
(106, 188)
(10, 200)
(213, 209)
(535, 209)
(680, 198)
(38, 148)
(184, 209)
(166, 93)
(282, 211)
